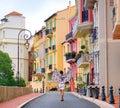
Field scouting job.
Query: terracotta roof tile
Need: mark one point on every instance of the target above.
(14, 13)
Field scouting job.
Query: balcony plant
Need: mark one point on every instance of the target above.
(83, 47)
(73, 54)
(81, 52)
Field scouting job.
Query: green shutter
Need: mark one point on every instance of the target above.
(54, 40)
(46, 61)
(46, 26)
(50, 42)
(55, 22)
(50, 59)
(50, 24)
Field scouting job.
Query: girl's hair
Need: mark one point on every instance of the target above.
(61, 72)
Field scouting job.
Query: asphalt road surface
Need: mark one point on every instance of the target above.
(52, 100)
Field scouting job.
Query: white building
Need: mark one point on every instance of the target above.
(9, 28)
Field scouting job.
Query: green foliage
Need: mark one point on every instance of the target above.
(6, 72)
(82, 46)
(67, 89)
(20, 82)
(81, 52)
(80, 82)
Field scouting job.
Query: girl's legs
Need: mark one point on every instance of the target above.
(62, 94)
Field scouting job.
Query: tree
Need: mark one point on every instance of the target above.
(6, 72)
(20, 82)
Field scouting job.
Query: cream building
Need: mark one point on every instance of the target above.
(109, 53)
(9, 28)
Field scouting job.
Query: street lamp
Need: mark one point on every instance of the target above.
(27, 35)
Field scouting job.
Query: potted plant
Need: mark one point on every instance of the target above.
(82, 46)
(73, 54)
(81, 52)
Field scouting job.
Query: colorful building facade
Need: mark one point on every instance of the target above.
(107, 23)
(38, 55)
(57, 26)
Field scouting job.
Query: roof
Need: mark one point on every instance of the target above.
(14, 13)
(50, 17)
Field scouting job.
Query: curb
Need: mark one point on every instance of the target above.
(100, 103)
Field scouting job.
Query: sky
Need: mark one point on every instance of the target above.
(35, 11)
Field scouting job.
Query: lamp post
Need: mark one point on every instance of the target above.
(27, 35)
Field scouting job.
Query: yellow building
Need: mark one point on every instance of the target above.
(57, 26)
(38, 77)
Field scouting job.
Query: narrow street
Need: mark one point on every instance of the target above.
(52, 100)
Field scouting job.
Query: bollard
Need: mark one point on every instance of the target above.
(37, 90)
(91, 93)
(103, 93)
(96, 92)
(84, 91)
(111, 95)
(119, 98)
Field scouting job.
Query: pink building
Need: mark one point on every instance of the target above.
(80, 26)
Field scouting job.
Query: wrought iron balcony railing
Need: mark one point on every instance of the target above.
(69, 36)
(53, 47)
(50, 66)
(46, 50)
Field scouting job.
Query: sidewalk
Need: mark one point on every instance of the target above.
(14, 103)
(116, 99)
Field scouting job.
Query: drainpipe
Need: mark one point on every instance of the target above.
(106, 74)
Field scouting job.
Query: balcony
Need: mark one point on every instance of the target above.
(49, 33)
(70, 57)
(50, 66)
(83, 61)
(69, 37)
(81, 30)
(40, 70)
(53, 47)
(46, 50)
(89, 4)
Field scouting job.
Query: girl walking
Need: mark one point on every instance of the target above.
(61, 78)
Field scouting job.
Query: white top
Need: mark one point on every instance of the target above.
(61, 78)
